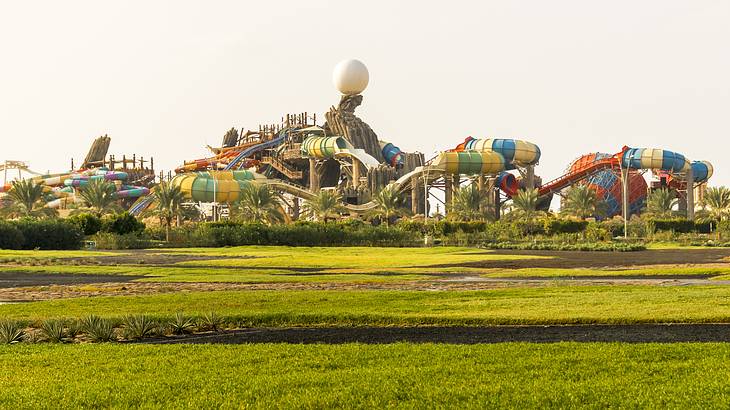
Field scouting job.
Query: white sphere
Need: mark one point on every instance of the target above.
(350, 77)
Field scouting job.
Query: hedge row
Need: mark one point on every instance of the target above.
(46, 234)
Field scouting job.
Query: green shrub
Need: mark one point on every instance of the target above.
(88, 223)
(107, 240)
(122, 224)
(557, 246)
(98, 329)
(11, 332)
(597, 232)
(553, 226)
(49, 234)
(211, 321)
(138, 326)
(181, 324)
(53, 330)
(10, 236)
(675, 225)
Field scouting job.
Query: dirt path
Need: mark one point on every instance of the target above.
(647, 333)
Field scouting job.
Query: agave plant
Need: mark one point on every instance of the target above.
(98, 329)
(211, 321)
(138, 326)
(53, 330)
(181, 324)
(11, 332)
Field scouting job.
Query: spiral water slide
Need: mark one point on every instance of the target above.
(633, 159)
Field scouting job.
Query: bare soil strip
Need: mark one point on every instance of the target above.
(646, 333)
(22, 279)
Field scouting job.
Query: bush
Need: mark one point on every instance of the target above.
(122, 224)
(11, 332)
(554, 226)
(113, 241)
(10, 236)
(557, 246)
(49, 234)
(675, 225)
(88, 223)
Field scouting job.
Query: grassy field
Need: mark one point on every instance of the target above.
(652, 271)
(560, 375)
(538, 305)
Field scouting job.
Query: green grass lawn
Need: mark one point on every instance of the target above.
(651, 271)
(542, 305)
(514, 375)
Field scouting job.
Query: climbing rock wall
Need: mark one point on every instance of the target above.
(341, 120)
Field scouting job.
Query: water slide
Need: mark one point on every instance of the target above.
(320, 147)
(633, 159)
(144, 202)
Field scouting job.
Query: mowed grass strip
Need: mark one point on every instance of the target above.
(563, 375)
(644, 271)
(542, 305)
(351, 258)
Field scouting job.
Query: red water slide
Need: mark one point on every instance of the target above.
(576, 175)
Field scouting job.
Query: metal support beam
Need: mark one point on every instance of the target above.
(313, 176)
(690, 195)
(530, 178)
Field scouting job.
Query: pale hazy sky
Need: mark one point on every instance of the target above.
(164, 78)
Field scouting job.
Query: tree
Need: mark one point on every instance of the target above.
(582, 202)
(26, 200)
(524, 203)
(100, 197)
(718, 200)
(660, 202)
(388, 203)
(259, 204)
(168, 199)
(468, 203)
(324, 206)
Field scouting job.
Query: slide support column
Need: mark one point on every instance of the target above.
(313, 176)
(690, 195)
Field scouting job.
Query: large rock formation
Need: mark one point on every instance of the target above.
(341, 120)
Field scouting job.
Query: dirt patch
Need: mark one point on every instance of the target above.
(571, 259)
(645, 333)
(24, 280)
(56, 291)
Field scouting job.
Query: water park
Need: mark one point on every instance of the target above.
(297, 158)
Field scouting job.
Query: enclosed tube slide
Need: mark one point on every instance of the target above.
(214, 186)
(332, 147)
(517, 152)
(654, 158)
(392, 154)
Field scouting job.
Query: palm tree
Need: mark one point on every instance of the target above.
(524, 203)
(100, 197)
(718, 199)
(324, 206)
(388, 203)
(168, 199)
(26, 200)
(467, 203)
(582, 202)
(259, 204)
(660, 202)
